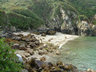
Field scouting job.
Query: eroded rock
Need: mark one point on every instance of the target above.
(42, 66)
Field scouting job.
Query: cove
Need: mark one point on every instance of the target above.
(80, 52)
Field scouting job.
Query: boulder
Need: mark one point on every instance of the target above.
(13, 29)
(32, 45)
(17, 38)
(51, 32)
(46, 31)
(20, 35)
(41, 52)
(16, 46)
(59, 63)
(30, 51)
(84, 28)
(90, 70)
(24, 70)
(43, 34)
(93, 28)
(42, 59)
(37, 42)
(22, 46)
(7, 35)
(42, 30)
(26, 54)
(19, 57)
(35, 63)
(57, 52)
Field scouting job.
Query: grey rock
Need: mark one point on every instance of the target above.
(84, 28)
(13, 29)
(19, 57)
(24, 70)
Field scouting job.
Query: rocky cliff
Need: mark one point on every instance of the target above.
(58, 15)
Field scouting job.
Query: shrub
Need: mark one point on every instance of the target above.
(8, 58)
(23, 21)
(94, 22)
(2, 18)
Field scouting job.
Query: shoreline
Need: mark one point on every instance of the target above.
(59, 39)
(51, 41)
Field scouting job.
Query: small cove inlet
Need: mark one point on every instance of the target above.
(80, 52)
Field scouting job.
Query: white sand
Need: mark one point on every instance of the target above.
(58, 39)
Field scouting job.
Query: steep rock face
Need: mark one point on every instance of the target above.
(65, 21)
(67, 26)
(57, 15)
(84, 29)
(93, 27)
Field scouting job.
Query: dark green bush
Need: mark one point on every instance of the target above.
(94, 22)
(20, 18)
(27, 13)
(85, 7)
(24, 20)
(2, 18)
(8, 58)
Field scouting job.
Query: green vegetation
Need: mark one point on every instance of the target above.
(18, 14)
(86, 8)
(8, 58)
(24, 19)
(94, 22)
(2, 18)
(34, 13)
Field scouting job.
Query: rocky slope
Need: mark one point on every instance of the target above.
(58, 15)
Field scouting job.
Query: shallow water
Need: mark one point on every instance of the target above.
(80, 52)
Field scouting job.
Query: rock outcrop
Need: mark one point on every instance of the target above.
(34, 65)
(84, 29)
(45, 31)
(66, 26)
(23, 42)
(67, 21)
(64, 21)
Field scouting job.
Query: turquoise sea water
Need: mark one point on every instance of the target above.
(80, 52)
